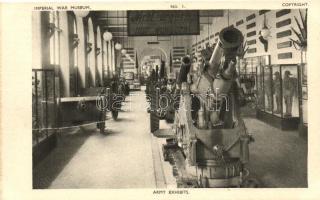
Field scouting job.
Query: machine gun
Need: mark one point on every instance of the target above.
(209, 144)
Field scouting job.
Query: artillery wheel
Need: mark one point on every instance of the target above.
(114, 114)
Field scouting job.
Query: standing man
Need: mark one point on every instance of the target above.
(268, 92)
(289, 90)
(277, 92)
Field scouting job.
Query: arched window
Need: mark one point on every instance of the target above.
(54, 38)
(74, 42)
(75, 49)
(99, 54)
(91, 57)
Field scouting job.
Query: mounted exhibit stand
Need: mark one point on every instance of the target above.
(278, 95)
(209, 147)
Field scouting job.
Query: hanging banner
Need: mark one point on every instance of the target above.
(163, 22)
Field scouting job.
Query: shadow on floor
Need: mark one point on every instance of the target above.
(125, 120)
(109, 132)
(49, 168)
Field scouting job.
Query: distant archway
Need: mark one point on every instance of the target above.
(153, 51)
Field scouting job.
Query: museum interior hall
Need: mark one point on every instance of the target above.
(169, 99)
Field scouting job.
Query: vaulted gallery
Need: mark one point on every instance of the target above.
(169, 99)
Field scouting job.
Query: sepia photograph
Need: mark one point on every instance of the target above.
(169, 98)
(159, 100)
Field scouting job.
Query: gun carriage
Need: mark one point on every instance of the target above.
(91, 106)
(209, 143)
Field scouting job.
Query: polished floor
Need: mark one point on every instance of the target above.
(128, 156)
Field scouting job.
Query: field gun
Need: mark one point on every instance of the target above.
(209, 144)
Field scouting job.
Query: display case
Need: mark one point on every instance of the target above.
(43, 113)
(278, 95)
(303, 126)
(247, 70)
(259, 87)
(267, 88)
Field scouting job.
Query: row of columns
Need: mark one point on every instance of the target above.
(100, 60)
(92, 66)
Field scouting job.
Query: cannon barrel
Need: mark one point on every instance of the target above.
(229, 41)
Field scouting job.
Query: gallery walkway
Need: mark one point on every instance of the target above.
(128, 156)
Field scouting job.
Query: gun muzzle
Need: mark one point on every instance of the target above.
(229, 41)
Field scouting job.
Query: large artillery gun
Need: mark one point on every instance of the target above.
(91, 106)
(209, 144)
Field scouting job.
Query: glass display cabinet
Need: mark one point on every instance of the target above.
(303, 126)
(43, 113)
(278, 95)
(247, 75)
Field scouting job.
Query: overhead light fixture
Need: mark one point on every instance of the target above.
(107, 36)
(123, 51)
(117, 46)
(81, 14)
(264, 34)
(265, 31)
